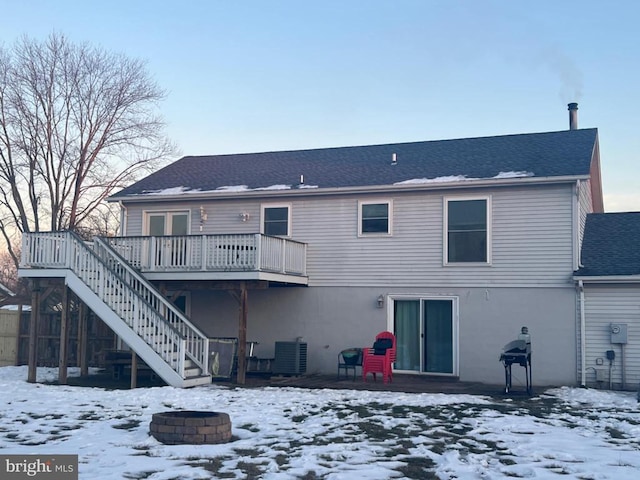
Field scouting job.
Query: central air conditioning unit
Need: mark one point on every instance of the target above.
(290, 358)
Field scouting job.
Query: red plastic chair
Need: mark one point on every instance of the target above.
(374, 361)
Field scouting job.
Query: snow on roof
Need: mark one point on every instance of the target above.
(14, 308)
(244, 188)
(6, 290)
(274, 187)
(447, 179)
(551, 154)
(514, 174)
(173, 191)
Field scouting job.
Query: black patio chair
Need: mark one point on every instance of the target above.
(349, 359)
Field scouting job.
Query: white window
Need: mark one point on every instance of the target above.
(167, 223)
(374, 217)
(276, 220)
(467, 230)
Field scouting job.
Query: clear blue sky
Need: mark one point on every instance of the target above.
(248, 76)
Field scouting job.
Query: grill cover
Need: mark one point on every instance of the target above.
(517, 351)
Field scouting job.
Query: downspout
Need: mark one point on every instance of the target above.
(583, 341)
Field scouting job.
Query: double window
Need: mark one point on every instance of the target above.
(374, 217)
(276, 220)
(467, 231)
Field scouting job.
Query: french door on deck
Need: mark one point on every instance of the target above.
(170, 251)
(426, 335)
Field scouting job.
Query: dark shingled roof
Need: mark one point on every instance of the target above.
(611, 245)
(549, 154)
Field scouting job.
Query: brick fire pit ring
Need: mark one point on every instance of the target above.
(190, 427)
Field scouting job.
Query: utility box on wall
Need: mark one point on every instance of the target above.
(619, 333)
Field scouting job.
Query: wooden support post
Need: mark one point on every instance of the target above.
(242, 335)
(33, 331)
(134, 369)
(63, 359)
(16, 357)
(83, 313)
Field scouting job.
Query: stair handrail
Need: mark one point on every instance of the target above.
(48, 250)
(197, 342)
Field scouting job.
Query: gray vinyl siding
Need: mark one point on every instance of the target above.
(531, 231)
(222, 217)
(531, 242)
(605, 305)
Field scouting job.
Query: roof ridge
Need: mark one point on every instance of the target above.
(373, 145)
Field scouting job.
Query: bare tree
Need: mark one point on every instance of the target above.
(77, 123)
(9, 277)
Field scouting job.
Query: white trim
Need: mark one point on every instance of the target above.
(264, 206)
(455, 314)
(583, 341)
(389, 203)
(608, 278)
(124, 219)
(575, 221)
(200, 196)
(445, 230)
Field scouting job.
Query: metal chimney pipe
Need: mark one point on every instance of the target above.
(573, 116)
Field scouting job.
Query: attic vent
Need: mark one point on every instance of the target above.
(394, 159)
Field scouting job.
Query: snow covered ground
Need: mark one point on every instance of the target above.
(291, 433)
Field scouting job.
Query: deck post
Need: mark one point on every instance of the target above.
(82, 339)
(64, 337)
(242, 335)
(134, 369)
(33, 331)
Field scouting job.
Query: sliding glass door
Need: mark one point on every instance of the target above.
(426, 335)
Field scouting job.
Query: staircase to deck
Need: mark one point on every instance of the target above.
(130, 305)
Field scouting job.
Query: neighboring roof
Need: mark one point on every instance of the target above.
(5, 291)
(552, 154)
(611, 245)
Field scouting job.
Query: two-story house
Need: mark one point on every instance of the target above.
(453, 245)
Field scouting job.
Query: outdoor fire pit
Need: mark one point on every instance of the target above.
(190, 427)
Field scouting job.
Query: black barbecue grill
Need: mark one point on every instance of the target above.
(517, 352)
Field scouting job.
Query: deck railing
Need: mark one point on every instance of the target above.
(217, 253)
(163, 326)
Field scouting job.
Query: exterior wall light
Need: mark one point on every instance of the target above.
(203, 217)
(244, 216)
(380, 301)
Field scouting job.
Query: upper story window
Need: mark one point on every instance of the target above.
(276, 220)
(467, 228)
(374, 217)
(167, 223)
